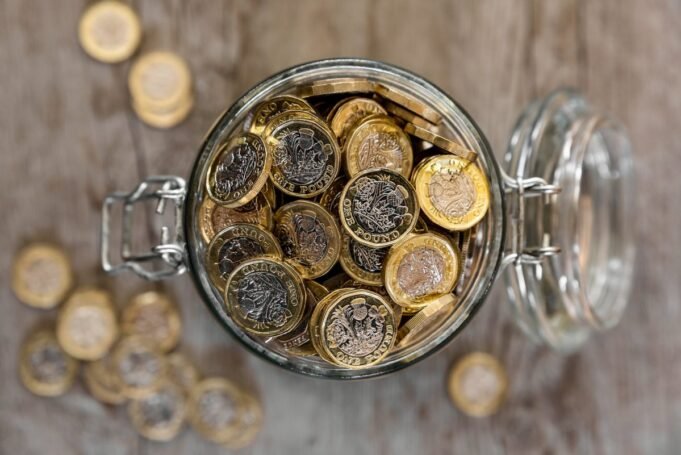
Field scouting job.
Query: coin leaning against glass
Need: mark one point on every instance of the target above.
(109, 31)
(265, 297)
(214, 409)
(138, 366)
(309, 237)
(363, 263)
(378, 207)
(213, 217)
(236, 244)
(478, 384)
(160, 415)
(350, 112)
(153, 315)
(41, 275)
(269, 109)
(45, 369)
(440, 142)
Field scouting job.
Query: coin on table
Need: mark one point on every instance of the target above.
(164, 119)
(109, 31)
(425, 320)
(378, 143)
(236, 244)
(305, 153)
(159, 81)
(44, 368)
(420, 269)
(410, 103)
(409, 117)
(100, 382)
(478, 384)
(160, 415)
(363, 263)
(182, 371)
(87, 325)
(250, 422)
(337, 86)
(214, 218)
(351, 112)
(265, 297)
(331, 197)
(275, 106)
(138, 366)
(309, 237)
(41, 275)
(239, 170)
(378, 207)
(214, 409)
(452, 192)
(153, 315)
(440, 142)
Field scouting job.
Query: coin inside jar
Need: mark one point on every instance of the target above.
(420, 269)
(378, 207)
(478, 384)
(275, 106)
(442, 142)
(236, 244)
(214, 218)
(452, 192)
(87, 326)
(363, 263)
(160, 415)
(239, 170)
(99, 381)
(41, 275)
(350, 112)
(330, 199)
(309, 237)
(44, 368)
(138, 366)
(409, 103)
(378, 143)
(265, 297)
(153, 315)
(214, 409)
(109, 31)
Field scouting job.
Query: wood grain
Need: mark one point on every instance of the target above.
(68, 137)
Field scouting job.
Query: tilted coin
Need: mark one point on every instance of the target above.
(478, 384)
(318, 290)
(336, 86)
(109, 31)
(275, 106)
(378, 143)
(441, 142)
(265, 297)
(409, 117)
(409, 103)
(239, 170)
(300, 336)
(305, 153)
(182, 371)
(41, 275)
(309, 237)
(363, 263)
(44, 368)
(420, 269)
(138, 366)
(100, 382)
(236, 244)
(153, 315)
(314, 325)
(379, 207)
(270, 194)
(159, 81)
(421, 226)
(214, 218)
(425, 319)
(330, 199)
(160, 415)
(250, 422)
(350, 112)
(87, 326)
(214, 409)
(335, 281)
(452, 192)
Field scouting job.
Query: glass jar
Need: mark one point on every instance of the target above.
(568, 254)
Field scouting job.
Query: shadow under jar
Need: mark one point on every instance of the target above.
(559, 219)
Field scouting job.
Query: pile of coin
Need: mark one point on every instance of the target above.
(338, 218)
(124, 357)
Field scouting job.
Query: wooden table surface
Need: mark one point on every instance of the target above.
(69, 137)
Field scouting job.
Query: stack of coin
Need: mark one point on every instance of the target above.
(336, 221)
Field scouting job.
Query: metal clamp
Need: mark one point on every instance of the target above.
(164, 260)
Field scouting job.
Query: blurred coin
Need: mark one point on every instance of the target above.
(153, 315)
(478, 384)
(109, 31)
(214, 409)
(182, 371)
(164, 119)
(100, 382)
(275, 106)
(44, 368)
(41, 275)
(159, 81)
(214, 218)
(440, 142)
(160, 415)
(250, 420)
(351, 112)
(138, 365)
(409, 103)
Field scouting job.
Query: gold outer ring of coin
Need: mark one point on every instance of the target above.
(25, 276)
(39, 340)
(436, 243)
(264, 239)
(269, 109)
(423, 320)
(264, 163)
(182, 371)
(165, 119)
(158, 68)
(209, 226)
(409, 103)
(87, 299)
(163, 309)
(102, 17)
(440, 142)
(455, 383)
(284, 221)
(439, 168)
(353, 269)
(337, 86)
(138, 346)
(369, 128)
(294, 286)
(270, 194)
(251, 424)
(329, 198)
(351, 112)
(194, 412)
(99, 381)
(409, 117)
(314, 326)
(170, 429)
(380, 290)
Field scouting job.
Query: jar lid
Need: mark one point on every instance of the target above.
(570, 248)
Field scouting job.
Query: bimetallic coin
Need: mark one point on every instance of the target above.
(164, 119)
(452, 192)
(409, 103)
(109, 31)
(378, 143)
(100, 382)
(238, 171)
(363, 263)
(153, 315)
(420, 269)
(309, 237)
(440, 142)
(44, 368)
(337, 86)
(352, 111)
(41, 275)
(159, 81)
(425, 320)
(87, 326)
(306, 156)
(236, 244)
(182, 371)
(138, 366)
(409, 117)
(265, 297)
(214, 409)
(315, 318)
(275, 106)
(213, 218)
(330, 199)
(398, 311)
(160, 415)
(297, 341)
(478, 384)
(378, 207)
(250, 421)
